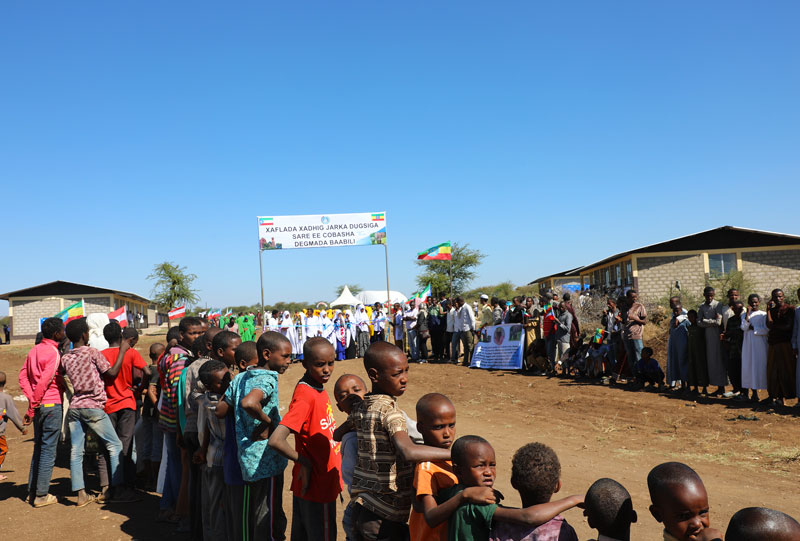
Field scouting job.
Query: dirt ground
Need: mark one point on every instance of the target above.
(597, 432)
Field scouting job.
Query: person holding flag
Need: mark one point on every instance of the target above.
(548, 328)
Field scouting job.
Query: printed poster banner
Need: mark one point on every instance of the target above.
(321, 230)
(499, 347)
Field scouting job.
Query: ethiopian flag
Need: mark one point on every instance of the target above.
(379, 217)
(72, 312)
(440, 252)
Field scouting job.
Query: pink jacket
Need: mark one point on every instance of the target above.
(39, 378)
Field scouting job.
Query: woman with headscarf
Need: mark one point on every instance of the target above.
(362, 330)
(326, 326)
(301, 325)
(287, 329)
(351, 351)
(339, 335)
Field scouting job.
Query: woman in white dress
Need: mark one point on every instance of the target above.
(288, 330)
(754, 348)
(326, 326)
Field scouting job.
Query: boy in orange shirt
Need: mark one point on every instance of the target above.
(436, 421)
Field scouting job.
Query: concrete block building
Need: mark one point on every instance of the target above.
(27, 306)
(767, 259)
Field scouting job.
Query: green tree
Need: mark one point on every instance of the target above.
(173, 286)
(355, 289)
(437, 273)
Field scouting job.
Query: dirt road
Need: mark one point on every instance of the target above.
(597, 432)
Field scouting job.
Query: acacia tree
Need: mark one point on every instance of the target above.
(173, 286)
(437, 273)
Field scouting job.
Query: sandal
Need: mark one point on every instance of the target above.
(44, 501)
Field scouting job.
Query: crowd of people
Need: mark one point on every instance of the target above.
(208, 434)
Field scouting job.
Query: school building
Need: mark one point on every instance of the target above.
(26, 307)
(568, 280)
(769, 260)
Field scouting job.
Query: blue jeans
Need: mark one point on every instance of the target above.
(550, 346)
(455, 346)
(412, 344)
(98, 421)
(172, 480)
(633, 349)
(46, 433)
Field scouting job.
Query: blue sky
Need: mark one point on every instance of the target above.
(546, 135)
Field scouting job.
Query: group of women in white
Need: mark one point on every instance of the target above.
(349, 332)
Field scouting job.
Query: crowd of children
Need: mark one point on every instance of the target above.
(227, 447)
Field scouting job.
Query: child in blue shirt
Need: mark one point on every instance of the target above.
(252, 399)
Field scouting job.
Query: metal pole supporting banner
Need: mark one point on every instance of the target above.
(261, 280)
(451, 270)
(388, 294)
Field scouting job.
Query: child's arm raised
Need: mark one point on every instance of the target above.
(436, 514)
(251, 404)
(343, 429)
(412, 452)
(536, 515)
(278, 441)
(222, 409)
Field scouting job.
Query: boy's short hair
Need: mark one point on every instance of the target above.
(458, 451)
(246, 352)
(647, 349)
(208, 369)
(199, 346)
(270, 340)
(708, 289)
(187, 322)
(51, 326)
(76, 328)
(535, 471)
(669, 475)
(430, 401)
(2, 378)
(312, 344)
(223, 339)
(130, 332)
(174, 333)
(752, 296)
(761, 524)
(690, 312)
(608, 505)
(377, 352)
(112, 332)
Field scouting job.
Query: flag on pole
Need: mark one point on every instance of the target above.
(228, 312)
(440, 252)
(121, 315)
(178, 312)
(75, 311)
(425, 293)
(213, 313)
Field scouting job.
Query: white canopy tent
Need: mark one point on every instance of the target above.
(371, 297)
(346, 298)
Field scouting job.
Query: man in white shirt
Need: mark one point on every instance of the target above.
(450, 334)
(464, 327)
(378, 323)
(410, 317)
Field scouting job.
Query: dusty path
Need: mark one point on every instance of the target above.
(596, 431)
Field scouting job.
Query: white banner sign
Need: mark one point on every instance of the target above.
(321, 230)
(499, 347)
